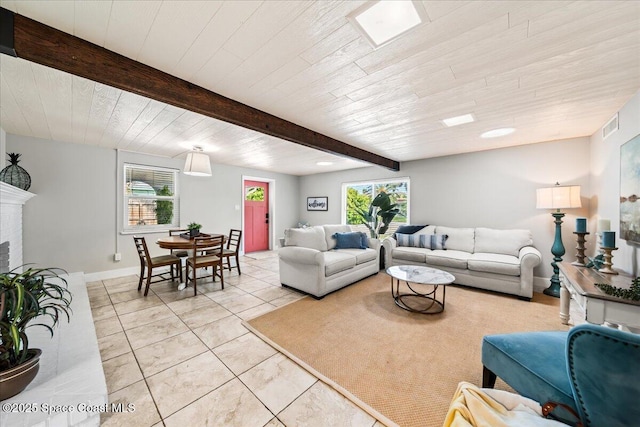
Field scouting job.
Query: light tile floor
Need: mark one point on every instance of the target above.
(185, 360)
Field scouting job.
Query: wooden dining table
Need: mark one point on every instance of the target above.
(179, 242)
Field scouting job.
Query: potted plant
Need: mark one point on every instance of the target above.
(35, 297)
(380, 214)
(194, 229)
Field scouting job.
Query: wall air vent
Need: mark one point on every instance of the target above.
(610, 127)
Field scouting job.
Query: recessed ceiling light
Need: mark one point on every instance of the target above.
(458, 120)
(382, 21)
(324, 163)
(497, 132)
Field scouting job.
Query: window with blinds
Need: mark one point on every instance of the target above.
(357, 197)
(150, 198)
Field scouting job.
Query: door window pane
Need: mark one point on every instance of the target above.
(255, 194)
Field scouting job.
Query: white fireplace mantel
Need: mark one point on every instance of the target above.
(13, 195)
(12, 200)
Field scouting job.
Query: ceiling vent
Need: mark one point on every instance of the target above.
(610, 127)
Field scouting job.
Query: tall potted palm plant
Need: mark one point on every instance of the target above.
(34, 297)
(378, 218)
(380, 214)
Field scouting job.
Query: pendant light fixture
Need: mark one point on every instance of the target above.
(197, 163)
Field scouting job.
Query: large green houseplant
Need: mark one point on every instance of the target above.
(34, 297)
(380, 214)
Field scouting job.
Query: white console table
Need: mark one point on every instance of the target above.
(70, 388)
(578, 283)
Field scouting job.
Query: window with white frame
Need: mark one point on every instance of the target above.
(357, 198)
(150, 198)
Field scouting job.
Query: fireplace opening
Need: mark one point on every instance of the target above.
(4, 257)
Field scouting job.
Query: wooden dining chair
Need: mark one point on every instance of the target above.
(180, 253)
(149, 263)
(207, 252)
(233, 249)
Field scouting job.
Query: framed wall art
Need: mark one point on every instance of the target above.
(630, 190)
(317, 203)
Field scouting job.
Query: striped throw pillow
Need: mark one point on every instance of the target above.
(427, 241)
(413, 240)
(437, 241)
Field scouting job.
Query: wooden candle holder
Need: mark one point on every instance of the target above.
(600, 251)
(606, 266)
(580, 248)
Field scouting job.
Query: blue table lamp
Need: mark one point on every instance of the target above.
(557, 197)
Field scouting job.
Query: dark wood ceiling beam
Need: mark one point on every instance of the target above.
(39, 43)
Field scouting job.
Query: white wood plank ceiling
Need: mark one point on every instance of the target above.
(550, 69)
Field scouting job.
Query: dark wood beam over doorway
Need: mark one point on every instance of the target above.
(39, 43)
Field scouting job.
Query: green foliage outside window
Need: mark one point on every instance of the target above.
(255, 194)
(164, 208)
(356, 202)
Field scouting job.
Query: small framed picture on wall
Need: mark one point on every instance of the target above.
(317, 203)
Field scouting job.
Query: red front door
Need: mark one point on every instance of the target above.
(256, 216)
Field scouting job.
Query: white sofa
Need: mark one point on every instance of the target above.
(497, 260)
(310, 262)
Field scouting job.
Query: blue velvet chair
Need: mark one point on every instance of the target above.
(593, 369)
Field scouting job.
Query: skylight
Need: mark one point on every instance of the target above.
(382, 21)
(458, 120)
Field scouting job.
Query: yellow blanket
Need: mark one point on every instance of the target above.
(476, 407)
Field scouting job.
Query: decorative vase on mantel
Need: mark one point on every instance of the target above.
(15, 174)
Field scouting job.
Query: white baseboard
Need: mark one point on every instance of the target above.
(541, 283)
(110, 274)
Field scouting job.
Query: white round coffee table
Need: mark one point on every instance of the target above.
(421, 276)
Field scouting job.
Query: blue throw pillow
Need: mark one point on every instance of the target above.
(365, 241)
(351, 240)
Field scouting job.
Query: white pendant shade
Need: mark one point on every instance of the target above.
(197, 164)
(559, 197)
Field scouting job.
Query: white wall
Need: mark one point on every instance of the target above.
(605, 182)
(70, 222)
(74, 222)
(3, 148)
(495, 189)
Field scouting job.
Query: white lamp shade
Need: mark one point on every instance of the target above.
(558, 197)
(197, 164)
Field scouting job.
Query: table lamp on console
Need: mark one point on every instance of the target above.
(557, 197)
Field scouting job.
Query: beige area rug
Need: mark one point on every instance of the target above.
(401, 367)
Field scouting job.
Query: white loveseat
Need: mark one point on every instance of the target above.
(310, 262)
(497, 260)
